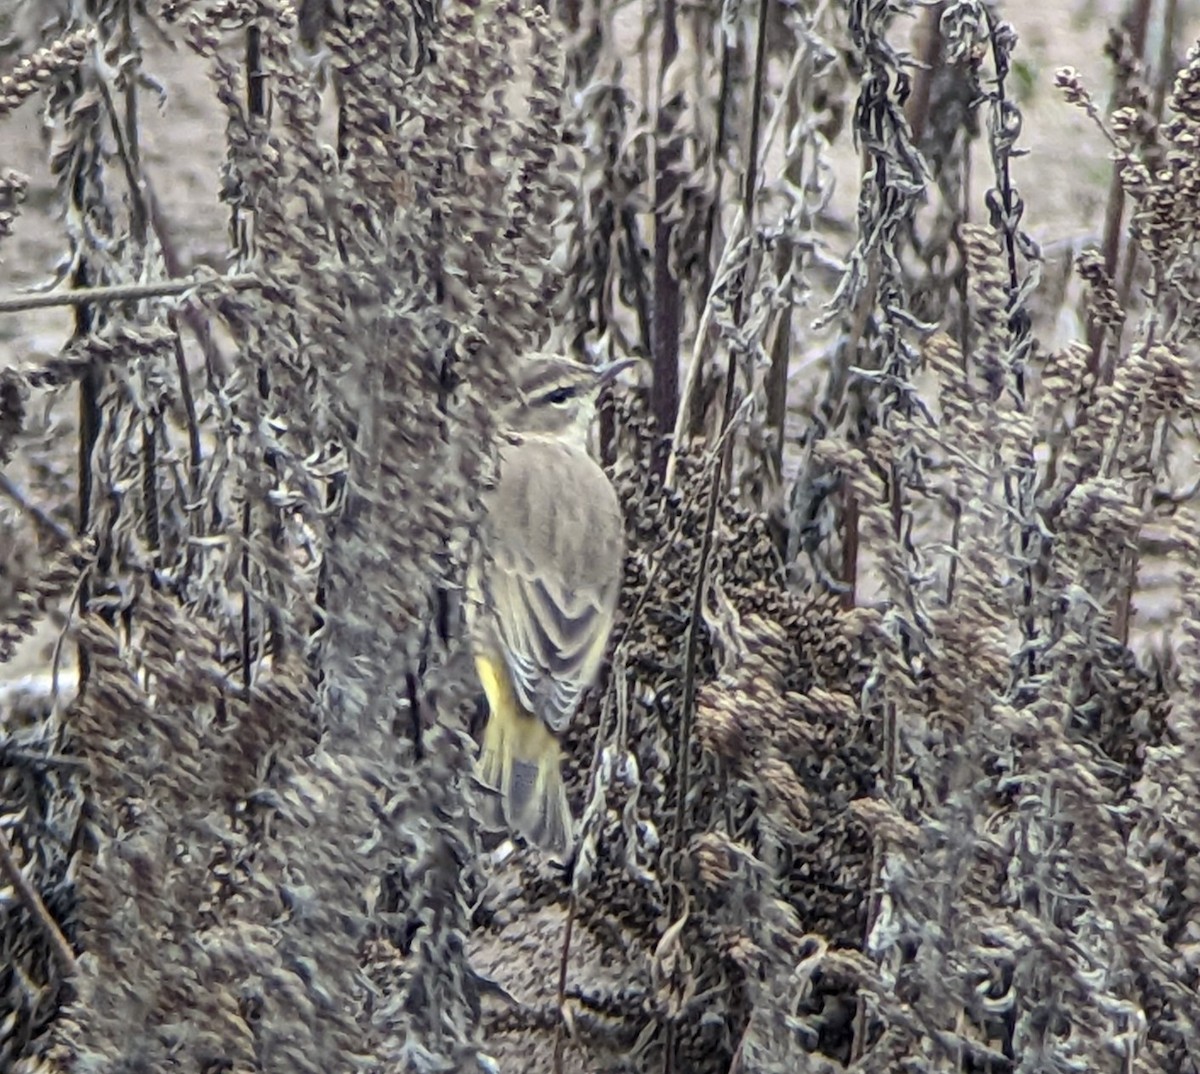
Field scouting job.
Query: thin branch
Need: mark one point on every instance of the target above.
(732, 241)
(194, 318)
(696, 618)
(28, 895)
(1137, 23)
(59, 532)
(563, 964)
(195, 452)
(929, 55)
(666, 313)
(124, 292)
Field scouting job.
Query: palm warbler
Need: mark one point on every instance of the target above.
(543, 589)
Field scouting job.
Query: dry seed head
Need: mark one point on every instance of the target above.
(1106, 303)
(1171, 390)
(1069, 80)
(717, 724)
(742, 951)
(826, 704)
(882, 817)
(784, 795)
(14, 394)
(43, 67)
(716, 859)
(1185, 93)
(13, 188)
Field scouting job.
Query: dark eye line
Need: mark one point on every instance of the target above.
(558, 396)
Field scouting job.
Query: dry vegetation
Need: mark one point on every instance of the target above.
(884, 774)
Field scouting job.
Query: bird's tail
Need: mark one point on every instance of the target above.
(522, 760)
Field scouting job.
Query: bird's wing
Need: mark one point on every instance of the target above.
(554, 574)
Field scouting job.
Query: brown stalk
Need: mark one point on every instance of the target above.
(1163, 76)
(42, 519)
(256, 106)
(29, 896)
(781, 348)
(561, 994)
(90, 417)
(719, 148)
(123, 292)
(1114, 211)
(849, 550)
(723, 450)
(125, 132)
(929, 54)
(850, 511)
(776, 385)
(195, 454)
(1166, 57)
(664, 393)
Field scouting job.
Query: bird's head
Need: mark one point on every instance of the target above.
(556, 396)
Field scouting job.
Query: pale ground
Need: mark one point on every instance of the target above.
(1063, 178)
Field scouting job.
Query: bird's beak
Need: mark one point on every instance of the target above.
(608, 373)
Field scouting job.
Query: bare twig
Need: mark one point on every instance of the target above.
(124, 292)
(1114, 212)
(195, 453)
(28, 895)
(563, 964)
(929, 53)
(59, 532)
(667, 313)
(734, 238)
(696, 616)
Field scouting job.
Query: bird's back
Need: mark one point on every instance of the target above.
(543, 590)
(554, 510)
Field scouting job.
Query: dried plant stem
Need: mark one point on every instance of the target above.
(124, 292)
(722, 105)
(1166, 56)
(195, 453)
(153, 524)
(256, 79)
(849, 594)
(247, 652)
(1114, 212)
(256, 106)
(723, 449)
(28, 895)
(563, 965)
(1127, 587)
(695, 623)
(929, 55)
(776, 386)
(60, 533)
(700, 341)
(850, 508)
(90, 418)
(687, 418)
(139, 219)
(667, 312)
(1004, 183)
(1018, 325)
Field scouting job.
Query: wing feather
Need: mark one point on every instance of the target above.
(551, 587)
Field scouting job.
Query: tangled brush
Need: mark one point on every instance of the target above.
(883, 771)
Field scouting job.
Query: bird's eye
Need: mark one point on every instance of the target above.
(559, 396)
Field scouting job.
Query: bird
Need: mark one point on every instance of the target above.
(542, 591)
